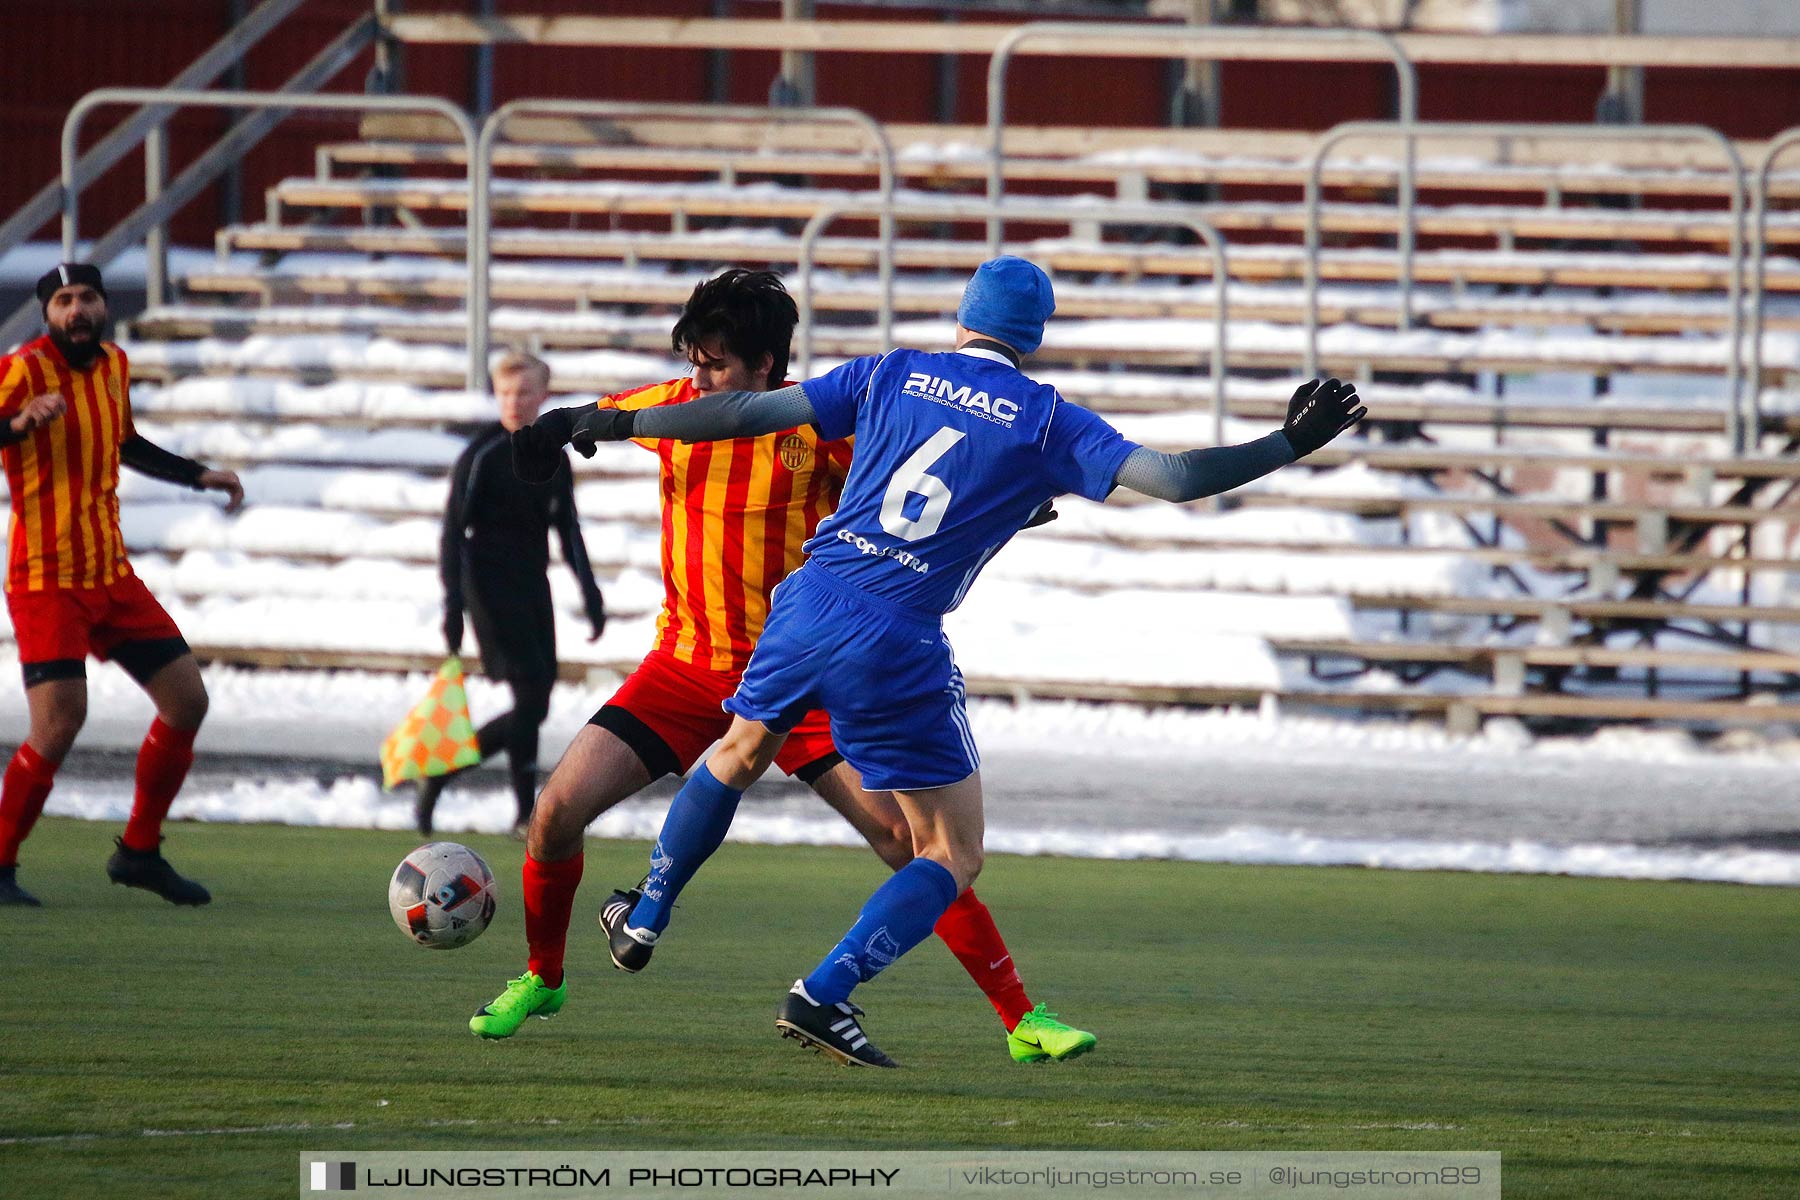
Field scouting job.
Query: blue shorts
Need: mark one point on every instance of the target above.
(886, 677)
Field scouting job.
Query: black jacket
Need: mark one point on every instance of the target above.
(494, 554)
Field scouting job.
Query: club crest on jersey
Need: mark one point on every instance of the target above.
(795, 453)
(112, 389)
(997, 409)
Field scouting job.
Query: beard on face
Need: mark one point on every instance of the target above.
(80, 354)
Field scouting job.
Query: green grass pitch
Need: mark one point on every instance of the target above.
(1610, 1038)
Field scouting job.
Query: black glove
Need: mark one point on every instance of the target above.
(1318, 412)
(1045, 514)
(537, 449)
(453, 630)
(601, 425)
(596, 615)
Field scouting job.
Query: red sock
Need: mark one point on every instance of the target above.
(549, 889)
(162, 764)
(967, 927)
(28, 780)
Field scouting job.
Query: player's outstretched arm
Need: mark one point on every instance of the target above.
(709, 419)
(1318, 412)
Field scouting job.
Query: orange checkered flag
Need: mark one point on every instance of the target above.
(436, 737)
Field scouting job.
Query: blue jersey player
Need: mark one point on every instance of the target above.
(955, 453)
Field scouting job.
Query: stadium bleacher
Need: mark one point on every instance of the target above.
(1544, 503)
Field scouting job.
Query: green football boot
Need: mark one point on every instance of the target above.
(526, 996)
(1040, 1037)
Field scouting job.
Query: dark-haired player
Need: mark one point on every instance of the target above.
(734, 518)
(65, 429)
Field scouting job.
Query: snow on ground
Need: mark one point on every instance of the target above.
(358, 803)
(1207, 638)
(1104, 781)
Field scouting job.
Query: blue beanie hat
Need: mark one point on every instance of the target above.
(1008, 299)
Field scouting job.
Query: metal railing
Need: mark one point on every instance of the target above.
(1778, 145)
(977, 210)
(147, 220)
(1743, 418)
(1737, 426)
(481, 174)
(217, 59)
(161, 208)
(1176, 42)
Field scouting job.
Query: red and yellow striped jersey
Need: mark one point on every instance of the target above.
(735, 515)
(64, 477)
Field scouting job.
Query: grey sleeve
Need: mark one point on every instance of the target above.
(1196, 473)
(726, 415)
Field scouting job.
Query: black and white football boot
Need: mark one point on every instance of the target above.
(630, 948)
(830, 1029)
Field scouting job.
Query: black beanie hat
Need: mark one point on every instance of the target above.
(64, 275)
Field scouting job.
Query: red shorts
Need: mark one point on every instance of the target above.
(68, 624)
(679, 704)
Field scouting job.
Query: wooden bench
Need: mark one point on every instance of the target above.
(1508, 670)
(1342, 350)
(1131, 175)
(280, 658)
(1473, 43)
(1170, 393)
(1650, 519)
(1461, 712)
(1519, 268)
(1604, 569)
(1603, 566)
(1073, 300)
(1593, 611)
(1504, 662)
(1698, 474)
(1600, 565)
(1543, 152)
(678, 203)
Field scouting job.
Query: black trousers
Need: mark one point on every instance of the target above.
(516, 733)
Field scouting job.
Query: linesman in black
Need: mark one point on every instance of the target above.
(494, 559)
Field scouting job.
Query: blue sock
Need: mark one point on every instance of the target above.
(896, 918)
(698, 818)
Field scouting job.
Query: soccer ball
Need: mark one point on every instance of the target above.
(442, 895)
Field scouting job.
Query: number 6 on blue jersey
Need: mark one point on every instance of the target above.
(913, 478)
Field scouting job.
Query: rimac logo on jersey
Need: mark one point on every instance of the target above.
(997, 409)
